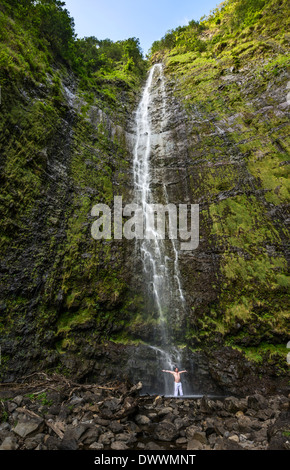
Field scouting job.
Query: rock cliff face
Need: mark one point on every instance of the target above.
(63, 150)
(75, 305)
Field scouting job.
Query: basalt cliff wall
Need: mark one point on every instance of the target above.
(78, 306)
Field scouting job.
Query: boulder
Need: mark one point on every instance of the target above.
(128, 408)
(234, 405)
(96, 446)
(142, 419)
(165, 431)
(116, 427)
(180, 423)
(247, 424)
(191, 430)
(18, 400)
(27, 427)
(119, 445)
(9, 443)
(126, 437)
(181, 441)
(68, 444)
(223, 443)
(153, 446)
(52, 443)
(75, 432)
(278, 433)
(257, 402)
(106, 438)
(91, 434)
(165, 411)
(194, 445)
(194, 433)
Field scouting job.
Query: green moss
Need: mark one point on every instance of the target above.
(239, 169)
(274, 177)
(126, 339)
(68, 320)
(259, 354)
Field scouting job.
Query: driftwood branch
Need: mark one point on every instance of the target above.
(57, 427)
(28, 412)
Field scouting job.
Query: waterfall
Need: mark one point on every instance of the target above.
(159, 257)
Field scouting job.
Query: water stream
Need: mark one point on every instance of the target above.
(159, 256)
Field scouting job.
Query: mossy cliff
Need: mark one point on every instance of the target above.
(65, 126)
(72, 304)
(230, 73)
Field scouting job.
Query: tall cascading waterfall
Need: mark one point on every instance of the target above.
(159, 256)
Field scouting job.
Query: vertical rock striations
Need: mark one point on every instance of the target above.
(217, 121)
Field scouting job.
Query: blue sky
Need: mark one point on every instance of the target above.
(147, 20)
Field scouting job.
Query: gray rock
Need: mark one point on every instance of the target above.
(5, 426)
(231, 424)
(96, 446)
(30, 443)
(68, 444)
(200, 436)
(74, 432)
(9, 443)
(26, 428)
(101, 421)
(165, 431)
(11, 406)
(75, 400)
(278, 432)
(227, 444)
(54, 409)
(194, 433)
(112, 404)
(142, 419)
(39, 438)
(153, 446)
(247, 424)
(91, 434)
(259, 436)
(164, 411)
(52, 443)
(119, 445)
(116, 427)
(233, 404)
(141, 445)
(126, 437)
(106, 438)
(18, 400)
(194, 445)
(191, 430)
(212, 439)
(181, 441)
(257, 402)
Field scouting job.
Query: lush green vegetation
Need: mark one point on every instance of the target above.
(56, 164)
(57, 283)
(34, 35)
(232, 20)
(222, 65)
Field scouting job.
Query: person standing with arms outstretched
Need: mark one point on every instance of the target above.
(177, 380)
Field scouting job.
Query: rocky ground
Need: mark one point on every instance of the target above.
(53, 413)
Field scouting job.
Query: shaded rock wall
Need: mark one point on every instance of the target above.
(69, 303)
